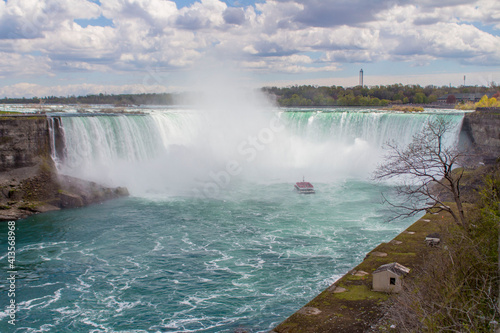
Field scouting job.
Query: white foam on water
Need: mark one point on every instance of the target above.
(204, 323)
(67, 311)
(44, 285)
(118, 306)
(88, 321)
(40, 302)
(158, 245)
(47, 328)
(133, 262)
(249, 263)
(83, 287)
(4, 314)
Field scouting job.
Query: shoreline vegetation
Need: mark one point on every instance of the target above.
(485, 102)
(405, 108)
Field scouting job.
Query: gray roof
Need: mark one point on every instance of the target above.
(393, 267)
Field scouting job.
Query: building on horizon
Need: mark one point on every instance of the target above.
(361, 77)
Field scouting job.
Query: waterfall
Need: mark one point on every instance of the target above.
(347, 143)
(171, 151)
(56, 137)
(375, 127)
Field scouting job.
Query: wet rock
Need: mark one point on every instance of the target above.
(70, 200)
(122, 192)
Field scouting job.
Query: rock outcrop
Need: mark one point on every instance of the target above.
(38, 189)
(482, 128)
(23, 141)
(29, 182)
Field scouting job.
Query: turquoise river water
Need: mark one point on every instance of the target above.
(212, 238)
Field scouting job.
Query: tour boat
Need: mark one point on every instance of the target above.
(304, 187)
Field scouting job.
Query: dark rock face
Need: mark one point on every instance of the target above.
(23, 140)
(483, 130)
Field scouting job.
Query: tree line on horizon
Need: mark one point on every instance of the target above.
(308, 95)
(109, 99)
(305, 95)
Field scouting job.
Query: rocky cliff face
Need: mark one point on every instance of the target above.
(29, 182)
(483, 130)
(23, 140)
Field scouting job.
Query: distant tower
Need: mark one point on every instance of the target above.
(361, 77)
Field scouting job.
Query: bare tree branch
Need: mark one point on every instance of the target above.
(425, 163)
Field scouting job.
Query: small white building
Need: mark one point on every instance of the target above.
(388, 277)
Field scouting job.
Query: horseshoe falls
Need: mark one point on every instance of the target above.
(212, 238)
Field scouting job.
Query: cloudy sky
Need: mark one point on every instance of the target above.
(65, 47)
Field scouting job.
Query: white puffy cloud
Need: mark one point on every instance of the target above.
(41, 37)
(26, 19)
(296, 63)
(202, 15)
(411, 33)
(152, 12)
(19, 65)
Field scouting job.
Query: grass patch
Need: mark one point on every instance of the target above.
(361, 292)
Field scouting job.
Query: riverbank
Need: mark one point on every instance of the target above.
(350, 305)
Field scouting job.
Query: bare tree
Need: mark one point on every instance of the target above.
(424, 170)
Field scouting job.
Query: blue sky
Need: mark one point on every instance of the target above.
(73, 47)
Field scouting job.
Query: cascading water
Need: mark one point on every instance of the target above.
(350, 143)
(174, 151)
(243, 259)
(56, 134)
(137, 151)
